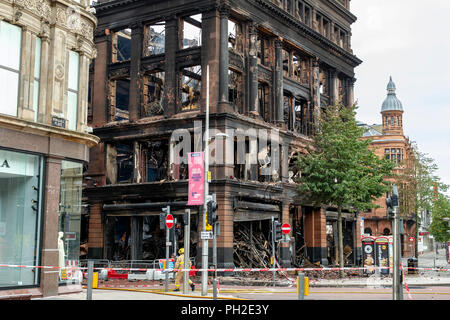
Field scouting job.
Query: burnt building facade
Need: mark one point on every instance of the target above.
(273, 65)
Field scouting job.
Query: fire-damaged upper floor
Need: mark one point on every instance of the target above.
(155, 53)
(271, 64)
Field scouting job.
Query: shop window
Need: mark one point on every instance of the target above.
(21, 198)
(70, 220)
(192, 31)
(235, 90)
(72, 90)
(10, 42)
(153, 90)
(155, 39)
(121, 46)
(191, 83)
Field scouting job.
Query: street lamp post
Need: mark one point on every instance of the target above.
(206, 190)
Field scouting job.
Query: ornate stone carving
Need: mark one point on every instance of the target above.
(59, 72)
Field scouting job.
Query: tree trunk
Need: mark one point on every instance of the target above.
(416, 240)
(341, 243)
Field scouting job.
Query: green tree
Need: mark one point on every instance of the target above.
(417, 184)
(339, 169)
(439, 228)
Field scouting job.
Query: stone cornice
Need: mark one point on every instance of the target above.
(46, 130)
(307, 31)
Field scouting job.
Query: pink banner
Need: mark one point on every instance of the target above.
(196, 187)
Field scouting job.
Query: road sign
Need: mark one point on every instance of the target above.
(206, 235)
(169, 221)
(411, 239)
(286, 228)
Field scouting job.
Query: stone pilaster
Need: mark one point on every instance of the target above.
(278, 82)
(134, 106)
(253, 70)
(224, 11)
(49, 277)
(170, 85)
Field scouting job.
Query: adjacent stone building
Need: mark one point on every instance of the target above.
(46, 48)
(273, 65)
(390, 142)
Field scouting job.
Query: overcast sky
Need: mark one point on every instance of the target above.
(410, 41)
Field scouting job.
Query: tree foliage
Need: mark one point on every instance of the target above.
(440, 228)
(339, 169)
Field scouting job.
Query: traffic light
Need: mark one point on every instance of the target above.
(276, 229)
(162, 217)
(389, 208)
(211, 213)
(391, 203)
(178, 229)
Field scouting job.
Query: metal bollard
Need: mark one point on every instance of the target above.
(214, 289)
(301, 286)
(90, 278)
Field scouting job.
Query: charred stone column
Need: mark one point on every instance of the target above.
(136, 238)
(210, 57)
(224, 11)
(253, 70)
(100, 110)
(316, 89)
(284, 247)
(334, 94)
(278, 82)
(351, 91)
(135, 66)
(170, 85)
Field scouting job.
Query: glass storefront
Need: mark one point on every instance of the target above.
(70, 220)
(21, 188)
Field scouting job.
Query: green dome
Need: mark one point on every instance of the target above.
(391, 103)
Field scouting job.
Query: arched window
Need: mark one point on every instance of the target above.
(386, 232)
(368, 231)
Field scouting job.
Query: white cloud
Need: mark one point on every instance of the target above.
(408, 40)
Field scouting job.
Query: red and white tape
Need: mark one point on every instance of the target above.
(226, 270)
